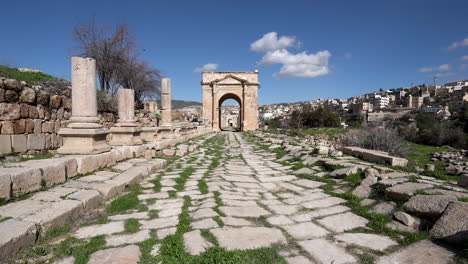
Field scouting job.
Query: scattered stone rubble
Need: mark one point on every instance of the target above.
(428, 203)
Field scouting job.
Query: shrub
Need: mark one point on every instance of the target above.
(377, 138)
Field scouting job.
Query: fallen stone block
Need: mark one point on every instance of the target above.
(428, 205)
(452, 226)
(421, 252)
(405, 190)
(342, 173)
(375, 156)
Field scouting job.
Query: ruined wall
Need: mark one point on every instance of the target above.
(31, 115)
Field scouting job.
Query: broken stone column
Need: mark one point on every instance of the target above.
(84, 134)
(125, 132)
(166, 108)
(166, 130)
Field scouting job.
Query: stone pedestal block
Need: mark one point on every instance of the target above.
(125, 136)
(148, 133)
(83, 141)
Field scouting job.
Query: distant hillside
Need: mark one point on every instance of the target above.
(178, 104)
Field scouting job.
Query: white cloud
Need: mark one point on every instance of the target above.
(270, 41)
(207, 67)
(465, 58)
(293, 65)
(445, 74)
(441, 68)
(298, 65)
(460, 44)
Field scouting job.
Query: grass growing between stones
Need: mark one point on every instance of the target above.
(79, 249)
(202, 186)
(132, 225)
(172, 248)
(125, 202)
(184, 175)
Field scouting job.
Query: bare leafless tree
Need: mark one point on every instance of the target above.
(117, 60)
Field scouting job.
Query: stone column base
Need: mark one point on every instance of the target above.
(125, 136)
(148, 133)
(83, 140)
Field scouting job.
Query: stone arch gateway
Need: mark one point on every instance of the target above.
(240, 86)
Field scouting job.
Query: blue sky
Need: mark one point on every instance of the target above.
(351, 47)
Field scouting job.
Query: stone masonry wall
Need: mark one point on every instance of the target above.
(31, 115)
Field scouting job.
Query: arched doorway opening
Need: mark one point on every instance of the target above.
(230, 113)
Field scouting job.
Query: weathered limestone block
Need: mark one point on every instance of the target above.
(166, 107)
(90, 199)
(9, 111)
(5, 186)
(19, 126)
(52, 170)
(55, 101)
(13, 84)
(5, 144)
(452, 226)
(11, 96)
(28, 95)
(19, 143)
(2, 95)
(56, 214)
(129, 254)
(405, 190)
(375, 156)
(14, 235)
(428, 205)
(24, 180)
(36, 142)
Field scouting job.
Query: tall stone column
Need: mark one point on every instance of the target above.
(84, 134)
(166, 107)
(125, 132)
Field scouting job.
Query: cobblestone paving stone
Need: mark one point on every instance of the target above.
(247, 201)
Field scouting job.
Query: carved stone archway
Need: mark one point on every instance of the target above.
(240, 86)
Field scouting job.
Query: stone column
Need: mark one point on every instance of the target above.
(166, 108)
(84, 134)
(125, 132)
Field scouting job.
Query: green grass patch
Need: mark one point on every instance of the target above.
(355, 179)
(132, 225)
(57, 231)
(79, 249)
(125, 202)
(29, 77)
(202, 186)
(421, 155)
(461, 199)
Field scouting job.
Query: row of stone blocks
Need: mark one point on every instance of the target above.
(61, 205)
(26, 177)
(375, 156)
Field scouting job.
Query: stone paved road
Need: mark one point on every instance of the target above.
(234, 197)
